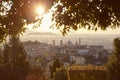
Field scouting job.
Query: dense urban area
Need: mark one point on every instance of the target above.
(43, 54)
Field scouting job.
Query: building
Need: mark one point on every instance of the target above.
(76, 59)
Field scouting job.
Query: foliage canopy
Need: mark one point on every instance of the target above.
(68, 14)
(56, 65)
(14, 14)
(14, 62)
(113, 64)
(90, 14)
(61, 74)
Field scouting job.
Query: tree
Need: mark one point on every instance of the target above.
(16, 66)
(1, 64)
(15, 14)
(74, 14)
(113, 65)
(0, 57)
(61, 74)
(89, 14)
(36, 73)
(56, 65)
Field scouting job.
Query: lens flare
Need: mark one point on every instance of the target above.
(40, 10)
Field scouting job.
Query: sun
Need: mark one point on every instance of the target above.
(46, 20)
(40, 10)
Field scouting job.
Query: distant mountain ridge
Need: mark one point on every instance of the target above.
(41, 33)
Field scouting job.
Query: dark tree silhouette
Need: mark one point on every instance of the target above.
(15, 64)
(61, 74)
(113, 64)
(36, 73)
(56, 65)
(14, 14)
(89, 14)
(1, 64)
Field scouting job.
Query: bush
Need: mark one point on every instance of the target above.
(61, 74)
(88, 73)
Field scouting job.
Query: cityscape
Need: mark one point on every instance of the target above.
(43, 54)
(59, 39)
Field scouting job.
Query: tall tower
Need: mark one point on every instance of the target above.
(79, 41)
(61, 42)
(53, 42)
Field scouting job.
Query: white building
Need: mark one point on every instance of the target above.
(83, 51)
(78, 59)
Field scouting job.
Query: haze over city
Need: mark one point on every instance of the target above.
(59, 39)
(44, 33)
(88, 37)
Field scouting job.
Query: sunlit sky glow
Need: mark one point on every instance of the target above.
(47, 22)
(40, 10)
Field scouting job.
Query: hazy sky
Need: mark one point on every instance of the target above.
(47, 22)
(46, 29)
(87, 37)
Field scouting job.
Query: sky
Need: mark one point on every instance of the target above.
(47, 22)
(87, 37)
